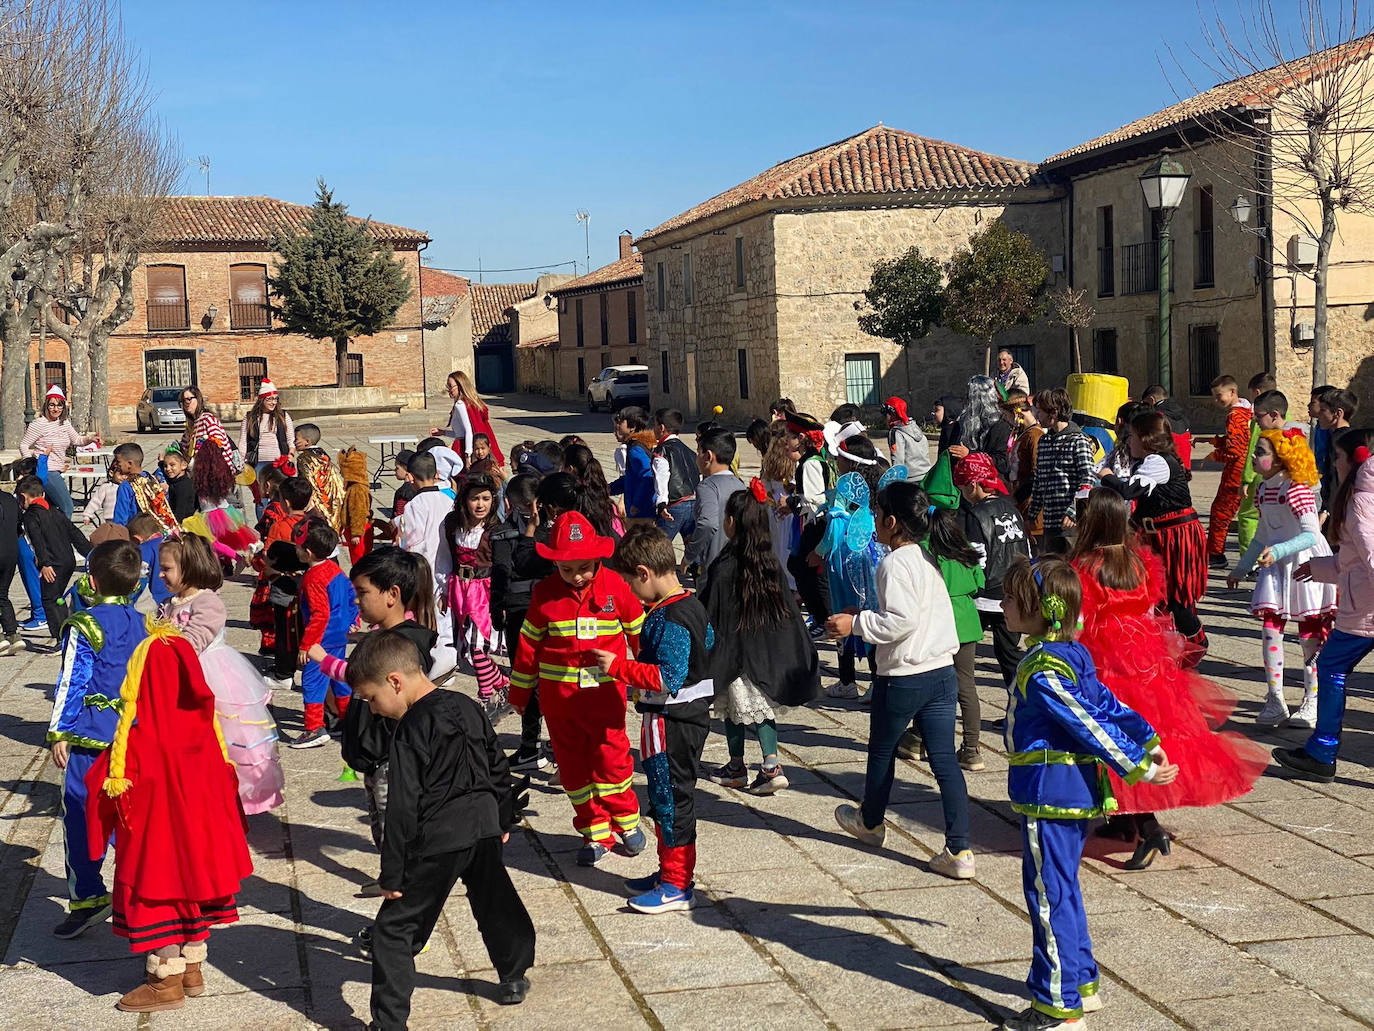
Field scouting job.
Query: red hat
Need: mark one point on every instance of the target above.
(976, 467)
(575, 540)
(897, 407)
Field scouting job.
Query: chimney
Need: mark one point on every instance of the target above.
(626, 244)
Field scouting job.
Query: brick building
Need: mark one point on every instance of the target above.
(599, 320)
(201, 315)
(447, 318)
(751, 295)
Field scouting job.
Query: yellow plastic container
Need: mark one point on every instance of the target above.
(1096, 397)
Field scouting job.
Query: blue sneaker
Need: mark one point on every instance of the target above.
(634, 842)
(639, 885)
(591, 853)
(33, 625)
(663, 899)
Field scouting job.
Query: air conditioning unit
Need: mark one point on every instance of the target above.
(1304, 334)
(1302, 251)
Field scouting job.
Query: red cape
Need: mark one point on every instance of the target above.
(179, 828)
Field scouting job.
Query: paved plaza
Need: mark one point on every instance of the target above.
(1261, 916)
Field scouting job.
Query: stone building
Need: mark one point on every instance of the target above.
(447, 319)
(1239, 306)
(751, 295)
(201, 315)
(493, 348)
(599, 320)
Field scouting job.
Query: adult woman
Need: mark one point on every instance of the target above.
(469, 418)
(51, 435)
(983, 428)
(267, 433)
(203, 425)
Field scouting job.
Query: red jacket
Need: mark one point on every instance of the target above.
(561, 627)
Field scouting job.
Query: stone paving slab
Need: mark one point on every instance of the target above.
(1261, 915)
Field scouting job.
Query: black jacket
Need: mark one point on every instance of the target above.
(52, 537)
(1173, 411)
(995, 526)
(181, 495)
(9, 528)
(515, 568)
(449, 785)
(367, 736)
(780, 660)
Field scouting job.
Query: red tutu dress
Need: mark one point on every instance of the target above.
(1137, 655)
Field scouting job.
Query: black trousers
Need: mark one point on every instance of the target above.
(405, 924)
(51, 593)
(529, 719)
(9, 624)
(1006, 646)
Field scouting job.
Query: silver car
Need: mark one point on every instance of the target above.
(617, 386)
(160, 409)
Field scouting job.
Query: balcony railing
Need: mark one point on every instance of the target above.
(249, 315)
(1140, 268)
(1204, 267)
(1106, 279)
(168, 314)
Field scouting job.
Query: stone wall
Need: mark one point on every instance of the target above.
(448, 348)
(1350, 357)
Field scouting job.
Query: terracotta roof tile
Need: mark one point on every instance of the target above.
(490, 301)
(220, 220)
(624, 270)
(1257, 90)
(877, 161)
(434, 283)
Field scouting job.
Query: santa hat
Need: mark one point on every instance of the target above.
(575, 540)
(266, 389)
(55, 391)
(896, 408)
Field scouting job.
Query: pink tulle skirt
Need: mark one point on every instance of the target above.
(469, 603)
(250, 732)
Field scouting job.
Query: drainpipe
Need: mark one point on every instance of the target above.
(419, 289)
(1264, 179)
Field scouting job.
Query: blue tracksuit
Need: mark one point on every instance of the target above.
(1062, 726)
(98, 645)
(28, 574)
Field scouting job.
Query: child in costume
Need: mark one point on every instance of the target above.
(1136, 652)
(139, 492)
(1063, 466)
(1247, 518)
(329, 607)
(1351, 528)
(147, 536)
(218, 520)
(96, 646)
(463, 571)
(451, 806)
(326, 485)
(808, 500)
(279, 567)
(1288, 535)
(778, 471)
(52, 536)
(670, 684)
(583, 607)
(193, 575)
(763, 659)
(1232, 449)
(357, 505)
(484, 461)
(177, 866)
(1059, 708)
(913, 629)
(906, 441)
(181, 489)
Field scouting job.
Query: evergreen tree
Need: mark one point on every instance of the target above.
(335, 281)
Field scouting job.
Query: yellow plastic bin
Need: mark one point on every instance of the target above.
(1096, 398)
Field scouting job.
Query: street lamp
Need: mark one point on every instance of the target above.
(1164, 182)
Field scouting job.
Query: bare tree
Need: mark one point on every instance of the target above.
(1295, 117)
(1069, 307)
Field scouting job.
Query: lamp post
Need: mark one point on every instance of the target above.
(1164, 182)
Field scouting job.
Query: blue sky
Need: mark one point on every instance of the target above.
(490, 124)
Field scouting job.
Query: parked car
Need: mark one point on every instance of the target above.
(617, 386)
(160, 409)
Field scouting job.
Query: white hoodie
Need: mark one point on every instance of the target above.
(914, 625)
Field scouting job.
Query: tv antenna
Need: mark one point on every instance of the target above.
(584, 216)
(204, 162)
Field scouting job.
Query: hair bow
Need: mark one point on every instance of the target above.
(1360, 455)
(1294, 431)
(759, 491)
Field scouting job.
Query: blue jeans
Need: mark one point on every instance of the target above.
(28, 575)
(682, 522)
(1338, 657)
(56, 489)
(85, 884)
(931, 699)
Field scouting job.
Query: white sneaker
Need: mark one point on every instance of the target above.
(838, 690)
(1305, 715)
(851, 819)
(1273, 713)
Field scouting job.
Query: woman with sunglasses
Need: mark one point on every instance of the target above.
(51, 435)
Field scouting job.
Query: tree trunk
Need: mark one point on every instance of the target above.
(987, 357)
(81, 401)
(1077, 354)
(1319, 289)
(100, 382)
(341, 360)
(13, 368)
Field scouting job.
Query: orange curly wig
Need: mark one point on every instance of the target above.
(1291, 451)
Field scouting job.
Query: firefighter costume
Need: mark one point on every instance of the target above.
(584, 708)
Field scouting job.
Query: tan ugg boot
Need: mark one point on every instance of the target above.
(193, 981)
(161, 991)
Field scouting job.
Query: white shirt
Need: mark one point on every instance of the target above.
(914, 625)
(460, 426)
(419, 527)
(447, 463)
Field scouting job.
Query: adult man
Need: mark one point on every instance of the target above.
(1010, 375)
(675, 475)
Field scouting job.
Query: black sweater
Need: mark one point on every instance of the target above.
(449, 784)
(367, 736)
(52, 537)
(9, 527)
(515, 568)
(181, 496)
